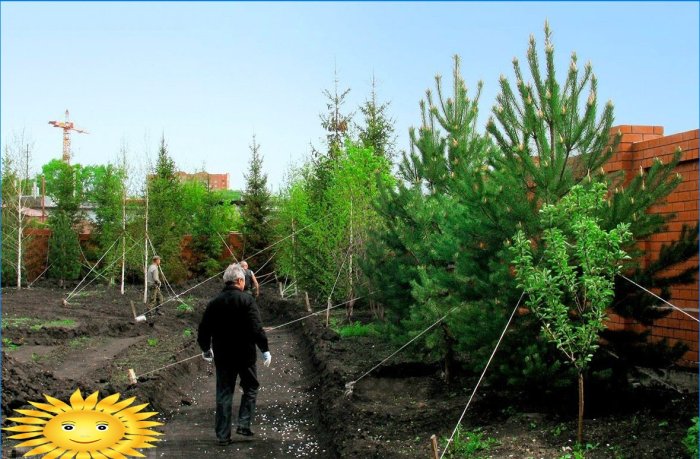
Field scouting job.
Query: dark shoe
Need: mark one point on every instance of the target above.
(225, 442)
(244, 431)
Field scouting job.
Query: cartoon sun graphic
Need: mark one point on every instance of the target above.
(85, 429)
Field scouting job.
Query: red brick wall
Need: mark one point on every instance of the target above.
(639, 146)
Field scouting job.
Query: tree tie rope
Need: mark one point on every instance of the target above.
(109, 266)
(37, 277)
(227, 246)
(313, 314)
(658, 297)
(98, 261)
(449, 441)
(351, 385)
(168, 366)
(268, 260)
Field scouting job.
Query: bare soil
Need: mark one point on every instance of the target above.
(302, 410)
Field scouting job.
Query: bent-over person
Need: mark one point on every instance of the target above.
(153, 282)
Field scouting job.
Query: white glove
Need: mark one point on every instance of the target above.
(208, 355)
(267, 358)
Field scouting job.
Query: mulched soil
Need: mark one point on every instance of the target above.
(302, 410)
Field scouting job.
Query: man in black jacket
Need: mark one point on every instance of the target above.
(231, 328)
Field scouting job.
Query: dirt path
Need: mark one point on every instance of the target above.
(284, 422)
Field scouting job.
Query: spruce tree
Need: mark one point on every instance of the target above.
(107, 195)
(378, 129)
(256, 211)
(166, 226)
(334, 121)
(64, 248)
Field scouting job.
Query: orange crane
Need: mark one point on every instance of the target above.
(67, 126)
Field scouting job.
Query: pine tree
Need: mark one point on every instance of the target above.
(550, 141)
(256, 210)
(378, 129)
(434, 257)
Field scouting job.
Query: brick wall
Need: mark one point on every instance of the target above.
(639, 146)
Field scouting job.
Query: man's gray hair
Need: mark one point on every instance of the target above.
(233, 272)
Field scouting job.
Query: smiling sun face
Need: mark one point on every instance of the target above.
(85, 429)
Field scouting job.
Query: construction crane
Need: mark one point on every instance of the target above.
(67, 126)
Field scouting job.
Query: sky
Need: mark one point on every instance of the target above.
(210, 76)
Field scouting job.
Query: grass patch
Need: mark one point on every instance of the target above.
(9, 345)
(78, 342)
(36, 324)
(470, 444)
(357, 329)
(60, 323)
(153, 342)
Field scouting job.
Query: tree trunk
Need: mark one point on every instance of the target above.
(19, 236)
(580, 408)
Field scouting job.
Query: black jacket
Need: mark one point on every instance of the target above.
(231, 326)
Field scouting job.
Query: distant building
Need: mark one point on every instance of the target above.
(215, 181)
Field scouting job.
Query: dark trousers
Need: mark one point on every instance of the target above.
(225, 387)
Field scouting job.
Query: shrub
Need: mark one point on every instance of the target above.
(691, 439)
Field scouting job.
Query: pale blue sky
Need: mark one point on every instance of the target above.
(210, 75)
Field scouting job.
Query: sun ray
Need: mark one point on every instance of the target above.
(83, 455)
(69, 455)
(126, 449)
(46, 407)
(146, 415)
(91, 401)
(55, 453)
(77, 401)
(25, 435)
(35, 413)
(107, 402)
(41, 449)
(23, 428)
(35, 442)
(121, 405)
(28, 420)
(143, 432)
(133, 409)
(110, 453)
(58, 404)
(98, 455)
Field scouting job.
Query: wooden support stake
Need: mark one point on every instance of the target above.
(133, 309)
(328, 312)
(306, 300)
(281, 290)
(132, 376)
(434, 444)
